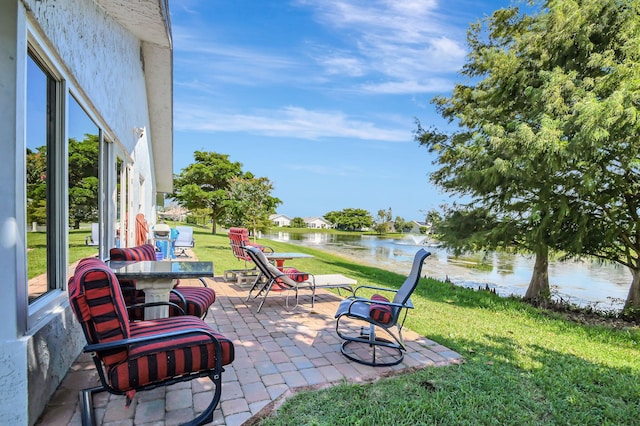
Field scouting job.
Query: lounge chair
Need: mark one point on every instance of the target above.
(359, 318)
(138, 356)
(239, 240)
(289, 279)
(94, 238)
(184, 240)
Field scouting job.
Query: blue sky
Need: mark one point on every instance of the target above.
(320, 96)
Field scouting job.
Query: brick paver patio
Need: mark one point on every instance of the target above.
(277, 353)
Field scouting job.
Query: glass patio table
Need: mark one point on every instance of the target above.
(280, 258)
(157, 278)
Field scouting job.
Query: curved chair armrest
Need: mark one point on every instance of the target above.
(123, 343)
(409, 305)
(180, 296)
(371, 287)
(149, 305)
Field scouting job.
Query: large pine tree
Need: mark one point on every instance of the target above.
(547, 148)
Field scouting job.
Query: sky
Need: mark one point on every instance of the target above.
(321, 96)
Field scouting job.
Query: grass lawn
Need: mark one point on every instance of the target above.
(523, 366)
(37, 249)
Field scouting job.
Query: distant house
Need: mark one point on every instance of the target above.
(420, 227)
(280, 220)
(317, 223)
(174, 212)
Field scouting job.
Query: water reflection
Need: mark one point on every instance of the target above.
(604, 286)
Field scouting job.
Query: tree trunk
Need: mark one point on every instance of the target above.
(214, 223)
(538, 289)
(633, 299)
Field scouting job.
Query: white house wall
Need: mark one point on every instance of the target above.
(101, 63)
(103, 58)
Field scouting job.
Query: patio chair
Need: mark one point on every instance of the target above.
(138, 356)
(377, 313)
(270, 277)
(93, 239)
(239, 240)
(184, 240)
(194, 300)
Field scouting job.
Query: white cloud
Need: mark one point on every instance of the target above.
(408, 86)
(342, 65)
(228, 63)
(406, 42)
(290, 122)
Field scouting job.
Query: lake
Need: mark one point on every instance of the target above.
(584, 283)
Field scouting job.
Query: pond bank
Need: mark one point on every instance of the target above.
(586, 284)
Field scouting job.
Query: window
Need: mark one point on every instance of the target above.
(62, 182)
(44, 177)
(83, 183)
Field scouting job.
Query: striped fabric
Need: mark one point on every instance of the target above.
(97, 302)
(143, 252)
(379, 312)
(292, 275)
(239, 239)
(199, 299)
(153, 362)
(296, 275)
(131, 295)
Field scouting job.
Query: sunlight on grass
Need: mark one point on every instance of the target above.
(522, 365)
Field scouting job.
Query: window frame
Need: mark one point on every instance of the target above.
(32, 316)
(36, 312)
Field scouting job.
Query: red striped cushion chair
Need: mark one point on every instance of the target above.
(194, 300)
(136, 356)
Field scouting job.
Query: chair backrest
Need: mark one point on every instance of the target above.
(185, 236)
(267, 268)
(410, 284)
(95, 232)
(238, 237)
(143, 252)
(97, 302)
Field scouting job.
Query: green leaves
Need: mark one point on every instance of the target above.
(547, 144)
(204, 184)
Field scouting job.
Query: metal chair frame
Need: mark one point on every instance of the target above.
(270, 275)
(358, 308)
(99, 348)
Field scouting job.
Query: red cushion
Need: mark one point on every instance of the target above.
(296, 275)
(378, 312)
(199, 299)
(143, 252)
(155, 361)
(292, 273)
(96, 299)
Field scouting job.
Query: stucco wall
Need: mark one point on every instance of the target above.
(102, 63)
(50, 353)
(103, 58)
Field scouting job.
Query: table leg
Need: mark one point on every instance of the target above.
(156, 295)
(155, 291)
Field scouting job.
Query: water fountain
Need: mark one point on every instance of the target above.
(414, 240)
